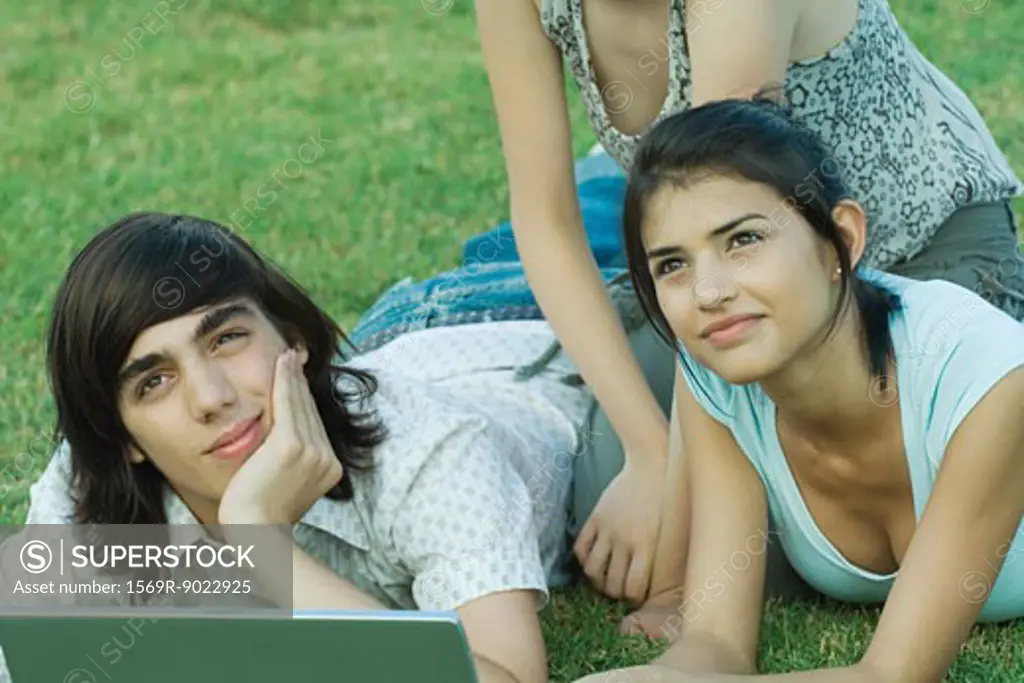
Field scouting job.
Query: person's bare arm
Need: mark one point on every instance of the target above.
(660, 616)
(504, 634)
(669, 569)
(527, 85)
(736, 48)
(525, 74)
(952, 563)
(502, 629)
(721, 613)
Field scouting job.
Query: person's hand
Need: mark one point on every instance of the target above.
(660, 617)
(616, 546)
(293, 467)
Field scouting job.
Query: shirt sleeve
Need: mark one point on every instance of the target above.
(963, 346)
(50, 500)
(466, 527)
(714, 394)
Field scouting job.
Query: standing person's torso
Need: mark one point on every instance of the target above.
(910, 144)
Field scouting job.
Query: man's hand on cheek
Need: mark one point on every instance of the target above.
(294, 466)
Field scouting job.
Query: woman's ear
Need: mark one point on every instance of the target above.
(135, 456)
(851, 220)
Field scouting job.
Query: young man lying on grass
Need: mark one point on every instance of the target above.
(420, 475)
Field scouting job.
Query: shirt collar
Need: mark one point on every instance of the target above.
(339, 519)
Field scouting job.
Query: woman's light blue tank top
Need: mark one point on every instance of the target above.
(951, 348)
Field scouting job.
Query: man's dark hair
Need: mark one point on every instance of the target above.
(143, 270)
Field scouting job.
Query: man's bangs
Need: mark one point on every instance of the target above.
(170, 273)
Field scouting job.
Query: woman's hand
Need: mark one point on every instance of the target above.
(660, 617)
(296, 464)
(616, 545)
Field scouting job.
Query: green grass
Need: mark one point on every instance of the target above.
(220, 96)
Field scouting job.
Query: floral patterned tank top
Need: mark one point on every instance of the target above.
(910, 145)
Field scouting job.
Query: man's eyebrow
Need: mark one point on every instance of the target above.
(138, 367)
(214, 319)
(725, 227)
(210, 322)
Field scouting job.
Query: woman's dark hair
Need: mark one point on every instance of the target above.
(755, 140)
(148, 268)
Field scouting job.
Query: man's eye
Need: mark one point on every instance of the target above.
(228, 337)
(148, 385)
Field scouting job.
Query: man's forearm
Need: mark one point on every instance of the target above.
(311, 586)
(489, 672)
(317, 587)
(569, 290)
(303, 583)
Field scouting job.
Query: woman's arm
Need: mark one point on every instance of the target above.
(527, 85)
(973, 513)
(719, 613)
(669, 570)
(952, 562)
(660, 616)
(736, 48)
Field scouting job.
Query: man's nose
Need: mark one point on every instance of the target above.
(210, 390)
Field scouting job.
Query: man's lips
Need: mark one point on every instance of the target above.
(239, 441)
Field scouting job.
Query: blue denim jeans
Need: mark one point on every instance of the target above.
(490, 283)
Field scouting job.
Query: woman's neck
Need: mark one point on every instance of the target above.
(828, 395)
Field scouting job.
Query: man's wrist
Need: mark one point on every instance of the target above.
(245, 515)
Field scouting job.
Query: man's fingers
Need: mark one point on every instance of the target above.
(296, 415)
(303, 403)
(313, 436)
(281, 395)
(597, 562)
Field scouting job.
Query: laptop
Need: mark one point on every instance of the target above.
(169, 646)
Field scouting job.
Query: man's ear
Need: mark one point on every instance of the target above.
(851, 220)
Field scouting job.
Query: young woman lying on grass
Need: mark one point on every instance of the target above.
(873, 422)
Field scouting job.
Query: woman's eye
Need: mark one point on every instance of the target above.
(668, 265)
(744, 239)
